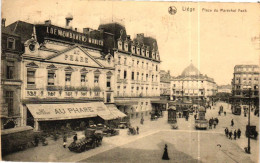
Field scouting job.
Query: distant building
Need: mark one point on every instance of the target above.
(137, 70)
(10, 78)
(244, 77)
(192, 85)
(225, 89)
(165, 84)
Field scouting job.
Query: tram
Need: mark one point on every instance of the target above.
(201, 122)
(172, 117)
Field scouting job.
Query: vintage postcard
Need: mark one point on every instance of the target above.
(112, 81)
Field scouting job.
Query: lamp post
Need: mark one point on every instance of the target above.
(248, 88)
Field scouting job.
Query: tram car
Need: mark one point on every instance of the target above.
(201, 122)
(236, 109)
(172, 117)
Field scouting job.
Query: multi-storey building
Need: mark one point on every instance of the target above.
(225, 88)
(67, 75)
(10, 78)
(165, 84)
(137, 67)
(192, 85)
(245, 77)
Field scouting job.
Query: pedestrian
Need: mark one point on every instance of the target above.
(216, 119)
(179, 114)
(225, 113)
(142, 120)
(137, 130)
(195, 116)
(235, 135)
(232, 123)
(214, 123)
(75, 138)
(226, 132)
(165, 153)
(230, 135)
(210, 127)
(219, 113)
(238, 133)
(64, 140)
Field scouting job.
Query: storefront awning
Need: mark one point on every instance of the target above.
(159, 102)
(126, 102)
(105, 113)
(117, 113)
(44, 112)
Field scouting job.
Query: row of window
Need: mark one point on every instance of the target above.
(247, 69)
(138, 63)
(255, 78)
(52, 76)
(137, 76)
(137, 50)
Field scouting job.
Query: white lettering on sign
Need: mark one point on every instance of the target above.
(73, 35)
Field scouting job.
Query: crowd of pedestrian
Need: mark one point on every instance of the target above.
(213, 122)
(230, 133)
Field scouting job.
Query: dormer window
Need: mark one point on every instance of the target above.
(10, 43)
(138, 51)
(133, 49)
(119, 45)
(143, 52)
(147, 53)
(126, 47)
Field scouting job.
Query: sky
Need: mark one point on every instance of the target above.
(213, 41)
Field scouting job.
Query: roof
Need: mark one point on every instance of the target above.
(114, 28)
(7, 31)
(191, 70)
(23, 29)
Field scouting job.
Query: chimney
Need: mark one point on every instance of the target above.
(3, 22)
(169, 72)
(86, 30)
(47, 22)
(69, 18)
(76, 29)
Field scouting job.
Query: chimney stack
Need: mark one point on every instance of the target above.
(69, 18)
(76, 29)
(47, 22)
(3, 22)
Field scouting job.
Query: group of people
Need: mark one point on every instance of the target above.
(229, 133)
(213, 122)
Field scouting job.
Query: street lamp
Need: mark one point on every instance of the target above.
(248, 87)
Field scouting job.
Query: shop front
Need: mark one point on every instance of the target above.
(128, 108)
(67, 115)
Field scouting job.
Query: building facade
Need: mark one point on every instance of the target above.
(244, 77)
(225, 89)
(192, 85)
(68, 76)
(137, 71)
(165, 84)
(10, 78)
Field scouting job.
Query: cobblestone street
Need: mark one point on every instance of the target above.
(185, 144)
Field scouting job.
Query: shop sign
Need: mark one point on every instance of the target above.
(31, 93)
(68, 93)
(68, 34)
(51, 93)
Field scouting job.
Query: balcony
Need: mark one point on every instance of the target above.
(122, 81)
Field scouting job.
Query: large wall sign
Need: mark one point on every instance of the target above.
(93, 38)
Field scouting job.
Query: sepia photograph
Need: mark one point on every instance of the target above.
(129, 81)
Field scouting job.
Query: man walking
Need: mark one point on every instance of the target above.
(230, 135)
(238, 133)
(232, 123)
(235, 135)
(137, 130)
(226, 131)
